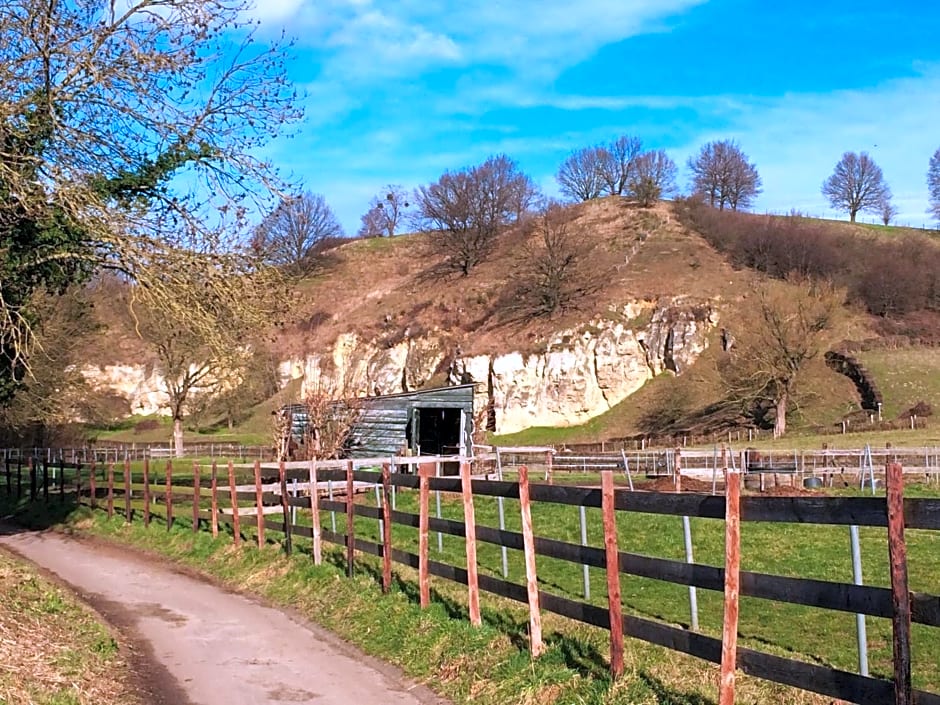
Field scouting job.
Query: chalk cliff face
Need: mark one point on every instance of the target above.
(580, 373)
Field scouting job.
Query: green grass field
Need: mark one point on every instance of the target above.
(905, 376)
(491, 666)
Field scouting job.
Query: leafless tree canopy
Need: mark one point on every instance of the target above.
(291, 236)
(604, 169)
(933, 184)
(856, 184)
(469, 208)
(652, 178)
(784, 330)
(723, 176)
(386, 213)
(886, 209)
(617, 162)
(579, 176)
(102, 103)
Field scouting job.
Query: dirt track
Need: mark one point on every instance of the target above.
(196, 644)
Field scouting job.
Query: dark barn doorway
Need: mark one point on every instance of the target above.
(437, 430)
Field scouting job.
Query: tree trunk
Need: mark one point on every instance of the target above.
(178, 437)
(852, 216)
(780, 419)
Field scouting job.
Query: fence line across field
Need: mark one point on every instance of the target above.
(290, 496)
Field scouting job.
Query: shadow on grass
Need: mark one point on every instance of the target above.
(670, 696)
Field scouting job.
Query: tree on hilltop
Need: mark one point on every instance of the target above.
(933, 184)
(579, 176)
(653, 177)
(856, 184)
(723, 176)
(293, 233)
(385, 213)
(468, 209)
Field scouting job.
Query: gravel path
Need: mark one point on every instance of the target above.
(202, 645)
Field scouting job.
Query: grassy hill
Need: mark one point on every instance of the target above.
(392, 289)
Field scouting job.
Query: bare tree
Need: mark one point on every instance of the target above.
(385, 213)
(653, 177)
(856, 184)
(886, 209)
(723, 176)
(933, 184)
(780, 335)
(127, 129)
(579, 176)
(617, 161)
(552, 272)
(469, 208)
(294, 233)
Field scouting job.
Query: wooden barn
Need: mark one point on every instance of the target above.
(425, 422)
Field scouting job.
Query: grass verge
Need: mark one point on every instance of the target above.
(53, 650)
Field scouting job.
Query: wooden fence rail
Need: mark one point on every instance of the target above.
(897, 514)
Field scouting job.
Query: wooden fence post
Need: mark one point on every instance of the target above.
(128, 516)
(45, 481)
(900, 593)
(350, 521)
(614, 606)
(197, 491)
(259, 505)
(61, 479)
(19, 478)
(233, 493)
(285, 508)
(548, 467)
(315, 515)
(110, 489)
(729, 635)
(536, 647)
(146, 492)
(9, 477)
(214, 491)
(469, 518)
(78, 483)
(425, 470)
(677, 466)
(92, 484)
(387, 531)
(169, 494)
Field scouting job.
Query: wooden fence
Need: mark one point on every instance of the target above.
(229, 502)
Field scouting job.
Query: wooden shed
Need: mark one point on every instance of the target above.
(425, 422)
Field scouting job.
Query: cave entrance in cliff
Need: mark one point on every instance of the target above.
(436, 431)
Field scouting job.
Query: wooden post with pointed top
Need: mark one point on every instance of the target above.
(92, 483)
(900, 592)
(469, 518)
(350, 521)
(110, 490)
(425, 472)
(614, 605)
(285, 509)
(214, 492)
(169, 494)
(677, 466)
(729, 635)
(147, 492)
(259, 505)
(197, 492)
(128, 512)
(315, 515)
(536, 647)
(233, 493)
(387, 530)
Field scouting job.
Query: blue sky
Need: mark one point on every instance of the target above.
(398, 92)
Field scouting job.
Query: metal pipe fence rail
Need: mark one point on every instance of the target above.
(276, 506)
